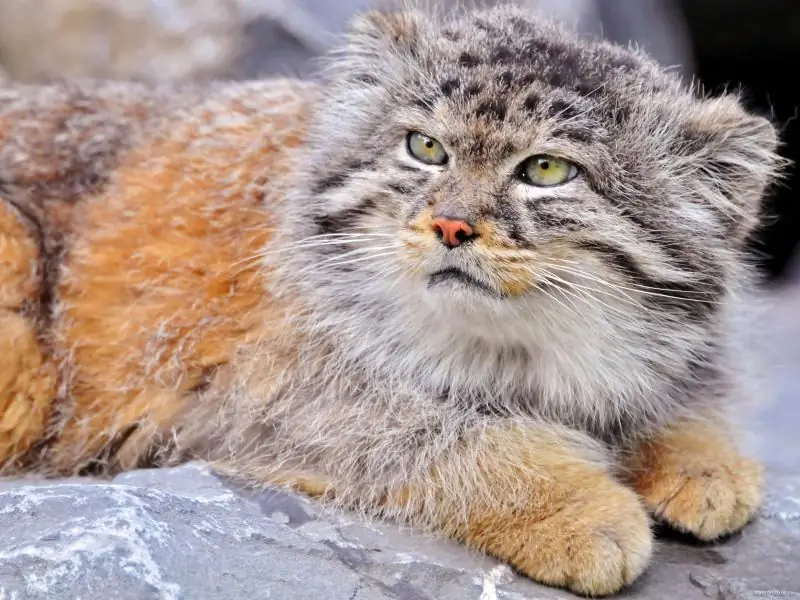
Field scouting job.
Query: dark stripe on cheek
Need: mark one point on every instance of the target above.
(656, 235)
(554, 221)
(696, 301)
(548, 211)
(329, 182)
(345, 219)
(400, 188)
(508, 220)
(340, 177)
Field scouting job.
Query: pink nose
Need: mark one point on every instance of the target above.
(452, 232)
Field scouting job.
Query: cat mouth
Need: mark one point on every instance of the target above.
(454, 275)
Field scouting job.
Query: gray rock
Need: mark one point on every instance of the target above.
(182, 534)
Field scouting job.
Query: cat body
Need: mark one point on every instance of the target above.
(483, 279)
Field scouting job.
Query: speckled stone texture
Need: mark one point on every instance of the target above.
(181, 534)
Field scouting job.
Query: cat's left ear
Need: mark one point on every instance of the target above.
(733, 157)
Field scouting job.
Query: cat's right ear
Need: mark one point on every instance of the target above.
(733, 156)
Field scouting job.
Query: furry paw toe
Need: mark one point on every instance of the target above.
(594, 546)
(697, 484)
(706, 500)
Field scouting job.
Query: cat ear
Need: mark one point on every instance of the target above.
(732, 156)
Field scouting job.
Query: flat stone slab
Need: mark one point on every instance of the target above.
(183, 534)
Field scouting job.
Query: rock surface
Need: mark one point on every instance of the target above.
(181, 534)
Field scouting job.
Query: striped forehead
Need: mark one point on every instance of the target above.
(537, 50)
(497, 86)
(498, 116)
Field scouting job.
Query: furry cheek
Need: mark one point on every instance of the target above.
(423, 222)
(514, 282)
(415, 248)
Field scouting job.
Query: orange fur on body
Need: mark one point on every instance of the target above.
(27, 380)
(157, 286)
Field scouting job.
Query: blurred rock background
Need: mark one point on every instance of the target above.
(179, 40)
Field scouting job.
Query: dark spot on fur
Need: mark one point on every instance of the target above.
(537, 50)
(450, 86)
(205, 379)
(559, 222)
(99, 465)
(531, 102)
(484, 26)
(451, 35)
(472, 90)
(505, 78)
(468, 60)
(507, 148)
(543, 214)
(493, 109)
(576, 133)
(520, 25)
(622, 62)
(568, 72)
(502, 55)
(562, 110)
(588, 86)
(690, 142)
(424, 102)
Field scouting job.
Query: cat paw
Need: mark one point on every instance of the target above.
(693, 479)
(594, 546)
(707, 498)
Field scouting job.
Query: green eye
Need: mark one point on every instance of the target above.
(426, 149)
(546, 171)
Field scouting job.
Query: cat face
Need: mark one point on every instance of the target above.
(494, 160)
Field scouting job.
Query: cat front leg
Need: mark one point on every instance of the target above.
(693, 478)
(539, 498)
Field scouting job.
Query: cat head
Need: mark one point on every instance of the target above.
(492, 165)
